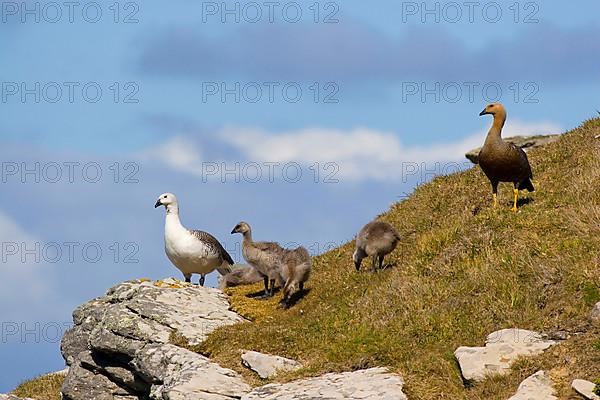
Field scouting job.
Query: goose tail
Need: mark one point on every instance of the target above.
(527, 184)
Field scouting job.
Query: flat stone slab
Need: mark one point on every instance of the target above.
(193, 311)
(184, 375)
(537, 387)
(11, 397)
(585, 388)
(501, 349)
(266, 365)
(368, 384)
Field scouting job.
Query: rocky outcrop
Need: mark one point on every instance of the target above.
(119, 347)
(266, 365)
(524, 142)
(369, 384)
(11, 397)
(585, 388)
(501, 349)
(537, 387)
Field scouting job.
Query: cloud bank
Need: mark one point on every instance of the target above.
(354, 51)
(360, 154)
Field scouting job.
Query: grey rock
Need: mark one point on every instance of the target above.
(524, 142)
(117, 371)
(82, 384)
(537, 387)
(12, 397)
(501, 349)
(187, 375)
(585, 388)
(119, 346)
(266, 365)
(369, 384)
(73, 342)
(595, 314)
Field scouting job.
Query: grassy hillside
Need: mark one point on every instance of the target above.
(45, 387)
(461, 271)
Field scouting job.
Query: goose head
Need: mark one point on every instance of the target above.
(166, 199)
(357, 257)
(242, 227)
(494, 109)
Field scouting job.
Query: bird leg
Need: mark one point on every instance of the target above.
(374, 263)
(516, 192)
(188, 278)
(268, 291)
(380, 262)
(272, 288)
(284, 303)
(266, 282)
(202, 279)
(495, 192)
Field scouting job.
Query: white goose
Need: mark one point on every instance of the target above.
(191, 251)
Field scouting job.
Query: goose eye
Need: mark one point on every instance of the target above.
(164, 197)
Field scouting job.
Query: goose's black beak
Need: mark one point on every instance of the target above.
(482, 113)
(233, 231)
(157, 204)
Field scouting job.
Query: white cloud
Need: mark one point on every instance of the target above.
(178, 153)
(361, 153)
(18, 277)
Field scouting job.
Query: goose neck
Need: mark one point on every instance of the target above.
(247, 237)
(495, 132)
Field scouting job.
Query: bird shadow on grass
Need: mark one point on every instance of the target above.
(260, 293)
(524, 201)
(387, 266)
(297, 297)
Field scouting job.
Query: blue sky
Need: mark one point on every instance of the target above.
(364, 103)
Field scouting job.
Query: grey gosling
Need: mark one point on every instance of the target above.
(295, 271)
(241, 274)
(263, 256)
(376, 239)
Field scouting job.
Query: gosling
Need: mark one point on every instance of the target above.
(295, 271)
(376, 239)
(241, 274)
(263, 256)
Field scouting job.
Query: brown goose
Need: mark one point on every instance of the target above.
(376, 239)
(502, 161)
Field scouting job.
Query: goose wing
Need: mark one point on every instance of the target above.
(214, 245)
(521, 159)
(271, 247)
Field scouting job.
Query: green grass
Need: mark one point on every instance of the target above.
(461, 271)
